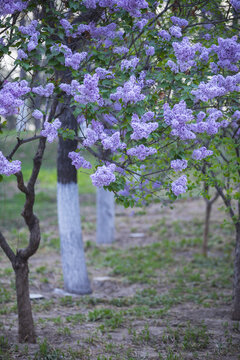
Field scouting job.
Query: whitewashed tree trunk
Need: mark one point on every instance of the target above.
(105, 217)
(22, 117)
(72, 251)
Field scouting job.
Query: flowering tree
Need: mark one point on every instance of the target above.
(156, 86)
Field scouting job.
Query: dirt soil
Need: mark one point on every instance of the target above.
(118, 320)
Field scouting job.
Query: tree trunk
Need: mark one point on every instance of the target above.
(206, 227)
(26, 330)
(105, 216)
(72, 250)
(236, 279)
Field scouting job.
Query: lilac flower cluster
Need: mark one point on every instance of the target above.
(179, 165)
(149, 50)
(175, 31)
(179, 186)
(112, 142)
(10, 96)
(180, 22)
(10, 6)
(78, 161)
(217, 86)
(31, 31)
(185, 53)
(85, 93)
(21, 54)
(141, 23)
(141, 129)
(47, 91)
(127, 64)
(91, 137)
(104, 175)
(37, 114)
(129, 93)
(88, 91)
(104, 74)
(210, 126)
(50, 130)
(67, 26)
(235, 4)
(74, 60)
(201, 153)
(178, 118)
(120, 50)
(165, 35)
(8, 168)
(173, 66)
(141, 151)
(228, 52)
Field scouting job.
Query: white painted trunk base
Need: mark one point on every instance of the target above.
(72, 251)
(105, 217)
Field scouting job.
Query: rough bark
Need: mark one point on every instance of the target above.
(206, 228)
(72, 250)
(236, 279)
(105, 217)
(26, 331)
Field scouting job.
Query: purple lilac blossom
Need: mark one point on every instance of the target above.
(179, 186)
(180, 22)
(141, 23)
(10, 96)
(173, 66)
(149, 50)
(129, 93)
(50, 130)
(112, 142)
(10, 6)
(127, 64)
(175, 31)
(9, 167)
(217, 86)
(165, 35)
(37, 114)
(214, 67)
(132, 6)
(104, 74)
(207, 36)
(141, 129)
(104, 175)
(120, 50)
(21, 54)
(88, 91)
(179, 165)
(185, 53)
(235, 4)
(97, 127)
(78, 161)
(47, 91)
(110, 119)
(201, 153)
(91, 137)
(81, 119)
(29, 29)
(67, 26)
(141, 151)
(228, 52)
(178, 118)
(75, 60)
(33, 42)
